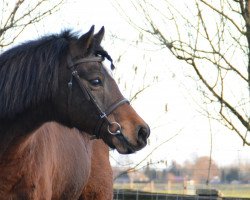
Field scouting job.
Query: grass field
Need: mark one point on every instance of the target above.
(227, 190)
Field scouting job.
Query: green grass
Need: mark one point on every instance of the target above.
(242, 190)
(227, 190)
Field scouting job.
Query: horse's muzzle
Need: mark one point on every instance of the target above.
(125, 145)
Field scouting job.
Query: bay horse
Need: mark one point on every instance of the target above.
(59, 78)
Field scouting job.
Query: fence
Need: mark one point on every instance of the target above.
(140, 195)
(225, 190)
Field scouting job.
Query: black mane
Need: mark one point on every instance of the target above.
(29, 72)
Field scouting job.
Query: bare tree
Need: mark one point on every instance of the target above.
(213, 37)
(136, 80)
(18, 15)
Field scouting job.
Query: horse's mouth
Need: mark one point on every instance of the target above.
(123, 146)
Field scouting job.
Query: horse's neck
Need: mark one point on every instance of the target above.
(14, 131)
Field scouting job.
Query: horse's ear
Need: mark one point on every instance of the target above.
(99, 36)
(87, 39)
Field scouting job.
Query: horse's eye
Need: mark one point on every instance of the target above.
(96, 82)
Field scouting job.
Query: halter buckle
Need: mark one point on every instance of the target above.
(74, 73)
(103, 115)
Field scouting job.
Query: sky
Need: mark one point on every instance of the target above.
(182, 133)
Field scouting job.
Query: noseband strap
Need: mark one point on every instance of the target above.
(113, 107)
(103, 115)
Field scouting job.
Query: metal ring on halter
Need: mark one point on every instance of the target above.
(118, 131)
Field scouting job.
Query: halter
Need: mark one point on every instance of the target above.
(103, 115)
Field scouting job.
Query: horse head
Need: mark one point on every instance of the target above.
(88, 97)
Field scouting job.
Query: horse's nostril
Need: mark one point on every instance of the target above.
(143, 132)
